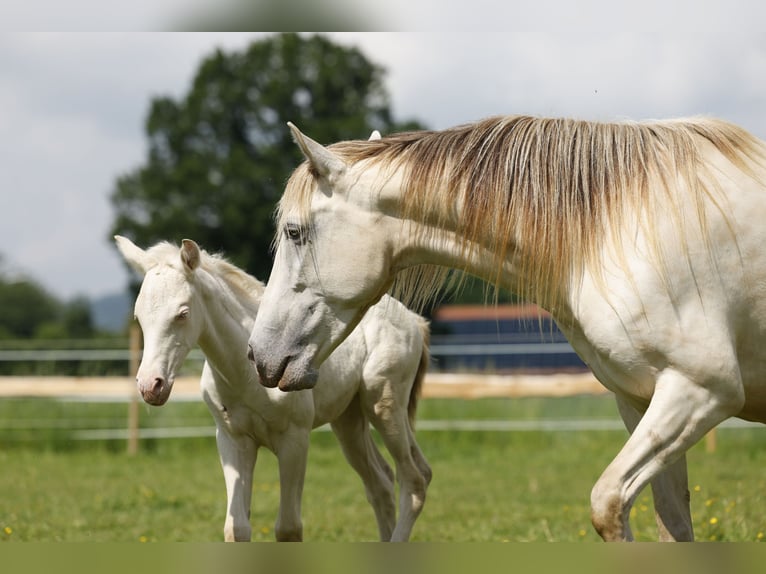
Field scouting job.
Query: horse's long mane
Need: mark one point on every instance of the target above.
(555, 188)
(245, 288)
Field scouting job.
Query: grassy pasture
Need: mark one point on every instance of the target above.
(488, 485)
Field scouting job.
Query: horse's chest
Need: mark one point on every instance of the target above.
(243, 421)
(233, 416)
(235, 419)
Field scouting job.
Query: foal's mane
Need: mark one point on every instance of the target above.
(558, 187)
(245, 288)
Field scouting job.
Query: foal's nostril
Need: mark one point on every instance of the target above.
(250, 354)
(157, 386)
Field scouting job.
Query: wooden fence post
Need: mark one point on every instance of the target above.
(133, 410)
(711, 441)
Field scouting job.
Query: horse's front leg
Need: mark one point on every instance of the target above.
(670, 488)
(292, 453)
(238, 456)
(681, 412)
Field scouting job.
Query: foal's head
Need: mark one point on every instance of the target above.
(168, 310)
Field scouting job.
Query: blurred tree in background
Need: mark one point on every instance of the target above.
(24, 308)
(28, 311)
(219, 156)
(32, 320)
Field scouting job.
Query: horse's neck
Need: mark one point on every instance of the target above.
(227, 328)
(419, 242)
(435, 239)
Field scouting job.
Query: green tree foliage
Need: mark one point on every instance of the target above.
(24, 308)
(27, 311)
(219, 156)
(32, 320)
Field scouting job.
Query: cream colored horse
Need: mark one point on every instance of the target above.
(189, 297)
(645, 241)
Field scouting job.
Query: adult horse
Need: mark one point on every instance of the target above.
(645, 241)
(189, 297)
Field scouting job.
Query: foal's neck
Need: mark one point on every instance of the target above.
(228, 323)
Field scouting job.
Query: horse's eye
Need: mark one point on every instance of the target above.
(183, 314)
(295, 233)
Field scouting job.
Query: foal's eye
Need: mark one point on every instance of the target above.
(183, 314)
(295, 233)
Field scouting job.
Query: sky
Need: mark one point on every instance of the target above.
(73, 103)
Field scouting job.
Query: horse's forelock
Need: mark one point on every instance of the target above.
(163, 253)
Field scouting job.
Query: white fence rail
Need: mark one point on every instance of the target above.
(436, 385)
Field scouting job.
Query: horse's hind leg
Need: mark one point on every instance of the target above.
(353, 432)
(412, 470)
(670, 488)
(419, 458)
(680, 413)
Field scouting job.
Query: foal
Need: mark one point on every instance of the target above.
(190, 297)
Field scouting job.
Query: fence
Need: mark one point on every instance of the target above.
(467, 385)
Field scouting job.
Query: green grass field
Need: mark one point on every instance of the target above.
(487, 486)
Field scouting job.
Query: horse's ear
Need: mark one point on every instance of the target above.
(375, 135)
(133, 254)
(190, 254)
(326, 163)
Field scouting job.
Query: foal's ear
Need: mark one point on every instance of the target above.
(326, 163)
(375, 135)
(133, 254)
(190, 254)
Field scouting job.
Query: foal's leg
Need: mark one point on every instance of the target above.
(291, 449)
(392, 423)
(680, 413)
(670, 488)
(238, 456)
(353, 432)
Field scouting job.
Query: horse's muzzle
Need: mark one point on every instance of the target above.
(290, 374)
(155, 391)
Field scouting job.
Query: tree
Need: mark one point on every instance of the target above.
(24, 308)
(27, 311)
(219, 157)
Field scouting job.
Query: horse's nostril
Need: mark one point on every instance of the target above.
(158, 382)
(250, 354)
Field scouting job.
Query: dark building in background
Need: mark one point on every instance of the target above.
(499, 339)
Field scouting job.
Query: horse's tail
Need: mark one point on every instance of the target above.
(420, 374)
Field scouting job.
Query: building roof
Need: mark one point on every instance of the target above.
(488, 312)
